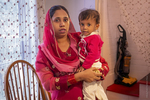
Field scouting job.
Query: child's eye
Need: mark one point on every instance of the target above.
(82, 24)
(89, 24)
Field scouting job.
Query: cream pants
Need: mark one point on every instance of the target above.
(91, 90)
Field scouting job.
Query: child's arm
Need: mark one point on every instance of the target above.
(104, 69)
(94, 49)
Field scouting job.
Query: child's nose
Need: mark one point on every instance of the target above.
(84, 27)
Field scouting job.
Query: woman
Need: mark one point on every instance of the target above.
(57, 58)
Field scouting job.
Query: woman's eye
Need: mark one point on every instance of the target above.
(65, 20)
(89, 24)
(56, 20)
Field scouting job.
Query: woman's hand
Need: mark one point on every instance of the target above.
(80, 69)
(88, 75)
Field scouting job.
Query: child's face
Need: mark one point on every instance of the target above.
(87, 26)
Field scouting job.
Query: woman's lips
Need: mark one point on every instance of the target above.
(62, 30)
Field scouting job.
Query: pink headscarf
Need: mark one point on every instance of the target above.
(50, 47)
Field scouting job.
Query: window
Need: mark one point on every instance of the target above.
(19, 31)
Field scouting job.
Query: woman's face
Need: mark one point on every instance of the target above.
(61, 22)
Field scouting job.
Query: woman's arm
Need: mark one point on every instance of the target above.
(50, 82)
(84, 76)
(88, 75)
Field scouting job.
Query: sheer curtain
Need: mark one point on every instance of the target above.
(21, 21)
(136, 15)
(101, 6)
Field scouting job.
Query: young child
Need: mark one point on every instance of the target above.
(89, 52)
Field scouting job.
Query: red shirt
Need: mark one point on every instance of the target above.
(90, 49)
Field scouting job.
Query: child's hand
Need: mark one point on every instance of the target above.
(97, 71)
(80, 69)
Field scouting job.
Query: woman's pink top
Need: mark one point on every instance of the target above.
(55, 81)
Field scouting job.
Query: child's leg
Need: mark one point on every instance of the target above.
(89, 90)
(100, 93)
(97, 64)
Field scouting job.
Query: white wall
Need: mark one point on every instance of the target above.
(73, 6)
(138, 67)
(109, 48)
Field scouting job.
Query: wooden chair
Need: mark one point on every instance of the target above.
(22, 83)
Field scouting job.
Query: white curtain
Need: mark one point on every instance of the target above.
(21, 21)
(101, 7)
(136, 15)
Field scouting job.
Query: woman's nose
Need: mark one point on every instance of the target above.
(62, 23)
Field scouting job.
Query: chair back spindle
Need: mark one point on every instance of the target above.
(22, 83)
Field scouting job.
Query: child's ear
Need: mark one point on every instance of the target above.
(97, 26)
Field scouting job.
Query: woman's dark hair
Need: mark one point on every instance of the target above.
(89, 13)
(57, 7)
